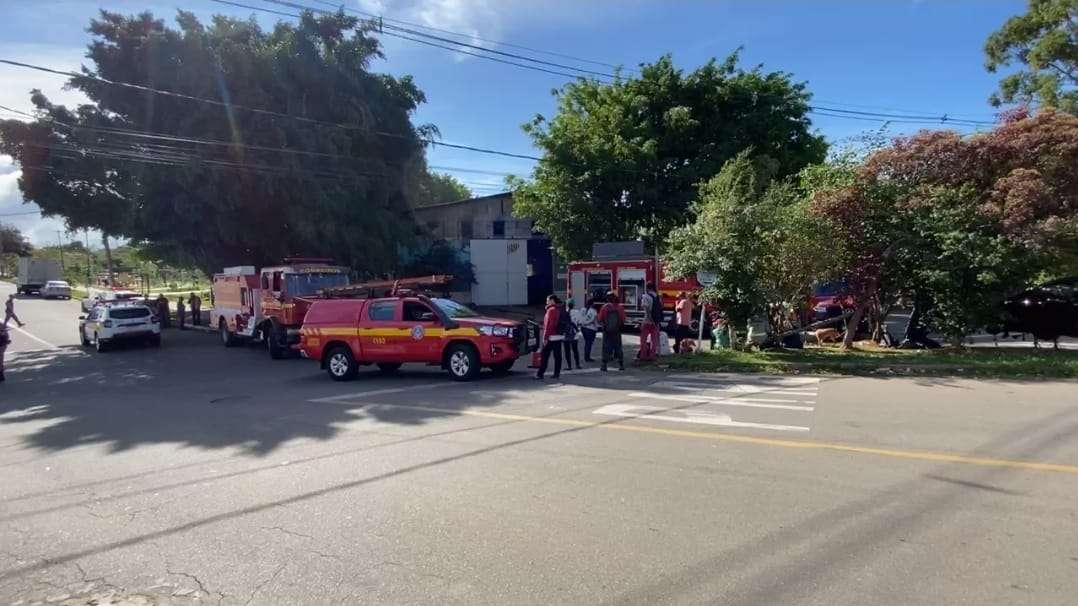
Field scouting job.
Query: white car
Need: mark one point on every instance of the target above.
(107, 325)
(56, 289)
(110, 297)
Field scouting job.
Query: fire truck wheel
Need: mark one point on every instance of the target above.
(340, 364)
(273, 340)
(227, 338)
(388, 367)
(463, 362)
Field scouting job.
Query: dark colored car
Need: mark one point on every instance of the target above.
(1048, 311)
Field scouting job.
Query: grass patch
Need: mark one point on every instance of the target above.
(973, 362)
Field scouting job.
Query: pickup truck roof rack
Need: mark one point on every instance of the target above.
(392, 288)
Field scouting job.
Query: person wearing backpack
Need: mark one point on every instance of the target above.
(552, 338)
(612, 320)
(572, 332)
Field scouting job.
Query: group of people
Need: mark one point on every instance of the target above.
(564, 324)
(194, 302)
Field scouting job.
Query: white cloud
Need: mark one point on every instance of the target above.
(16, 82)
(15, 86)
(474, 19)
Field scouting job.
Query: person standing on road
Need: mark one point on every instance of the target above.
(572, 349)
(589, 326)
(162, 311)
(5, 339)
(9, 312)
(180, 313)
(649, 326)
(552, 339)
(683, 310)
(612, 320)
(196, 309)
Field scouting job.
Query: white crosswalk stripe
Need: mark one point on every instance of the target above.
(737, 401)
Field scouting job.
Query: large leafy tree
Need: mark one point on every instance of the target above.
(13, 242)
(623, 160)
(1045, 42)
(960, 221)
(757, 236)
(327, 178)
(437, 188)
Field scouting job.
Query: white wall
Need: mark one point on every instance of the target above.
(501, 272)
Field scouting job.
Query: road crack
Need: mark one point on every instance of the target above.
(286, 531)
(263, 584)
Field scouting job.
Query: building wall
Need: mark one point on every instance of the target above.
(488, 217)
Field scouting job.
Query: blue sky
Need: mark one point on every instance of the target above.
(923, 55)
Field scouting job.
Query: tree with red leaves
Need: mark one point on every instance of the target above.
(960, 220)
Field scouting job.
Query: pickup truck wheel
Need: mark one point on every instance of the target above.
(389, 367)
(502, 368)
(463, 362)
(340, 364)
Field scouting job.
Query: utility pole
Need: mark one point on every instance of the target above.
(86, 233)
(60, 240)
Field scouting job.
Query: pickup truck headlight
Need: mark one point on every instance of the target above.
(494, 331)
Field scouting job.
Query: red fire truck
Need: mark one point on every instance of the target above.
(628, 277)
(269, 305)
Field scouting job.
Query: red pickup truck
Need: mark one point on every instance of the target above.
(344, 334)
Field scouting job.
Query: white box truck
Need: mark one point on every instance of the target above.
(34, 272)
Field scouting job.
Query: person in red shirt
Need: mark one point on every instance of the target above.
(611, 322)
(552, 338)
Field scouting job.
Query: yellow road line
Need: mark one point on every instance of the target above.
(725, 437)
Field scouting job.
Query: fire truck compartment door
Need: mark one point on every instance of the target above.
(578, 287)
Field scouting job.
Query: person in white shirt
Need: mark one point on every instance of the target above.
(588, 321)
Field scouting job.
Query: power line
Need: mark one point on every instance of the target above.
(382, 26)
(233, 106)
(473, 37)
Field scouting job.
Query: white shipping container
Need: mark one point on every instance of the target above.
(501, 272)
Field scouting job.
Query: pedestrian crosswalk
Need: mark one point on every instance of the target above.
(736, 401)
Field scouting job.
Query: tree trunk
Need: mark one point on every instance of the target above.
(853, 323)
(108, 257)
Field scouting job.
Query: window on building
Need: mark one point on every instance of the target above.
(466, 230)
(499, 229)
(382, 311)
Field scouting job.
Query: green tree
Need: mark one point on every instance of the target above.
(438, 188)
(12, 246)
(1045, 42)
(757, 235)
(624, 160)
(338, 192)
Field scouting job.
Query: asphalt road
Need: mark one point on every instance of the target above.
(197, 474)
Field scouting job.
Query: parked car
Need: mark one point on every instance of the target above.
(110, 297)
(56, 289)
(1048, 311)
(107, 325)
(343, 334)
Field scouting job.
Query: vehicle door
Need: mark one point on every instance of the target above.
(382, 334)
(93, 320)
(425, 331)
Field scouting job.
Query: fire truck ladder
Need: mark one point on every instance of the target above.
(391, 288)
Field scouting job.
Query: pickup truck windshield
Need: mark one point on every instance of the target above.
(299, 285)
(454, 309)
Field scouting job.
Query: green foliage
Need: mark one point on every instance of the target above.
(437, 188)
(624, 160)
(758, 237)
(217, 205)
(441, 257)
(1045, 41)
(13, 241)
